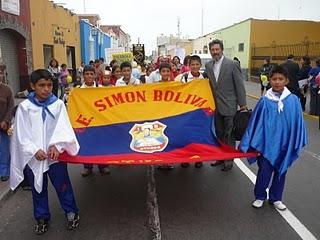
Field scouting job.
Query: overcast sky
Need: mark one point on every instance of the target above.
(147, 19)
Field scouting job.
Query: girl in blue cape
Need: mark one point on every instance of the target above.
(276, 130)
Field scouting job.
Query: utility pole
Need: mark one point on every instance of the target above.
(179, 33)
(201, 17)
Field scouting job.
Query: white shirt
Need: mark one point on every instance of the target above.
(154, 77)
(217, 67)
(190, 77)
(93, 86)
(31, 133)
(133, 81)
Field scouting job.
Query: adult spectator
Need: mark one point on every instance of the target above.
(6, 110)
(54, 70)
(293, 71)
(314, 89)
(228, 89)
(304, 74)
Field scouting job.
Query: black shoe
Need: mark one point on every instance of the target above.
(4, 178)
(41, 227)
(217, 163)
(166, 167)
(73, 221)
(185, 165)
(227, 166)
(198, 164)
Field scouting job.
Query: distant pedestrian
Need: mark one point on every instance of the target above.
(63, 81)
(264, 75)
(176, 60)
(53, 68)
(314, 89)
(185, 66)
(303, 75)
(6, 110)
(276, 130)
(293, 73)
(116, 74)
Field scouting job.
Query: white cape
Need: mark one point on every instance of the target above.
(32, 134)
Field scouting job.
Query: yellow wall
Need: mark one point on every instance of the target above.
(265, 32)
(45, 17)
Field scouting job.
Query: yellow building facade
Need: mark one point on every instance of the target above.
(55, 34)
(252, 40)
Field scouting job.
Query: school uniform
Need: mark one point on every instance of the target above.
(39, 125)
(277, 131)
(132, 81)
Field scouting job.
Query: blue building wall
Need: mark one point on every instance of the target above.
(99, 45)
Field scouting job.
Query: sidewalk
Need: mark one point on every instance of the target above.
(253, 91)
(5, 191)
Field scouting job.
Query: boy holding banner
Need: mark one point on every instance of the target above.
(127, 78)
(276, 130)
(41, 132)
(89, 82)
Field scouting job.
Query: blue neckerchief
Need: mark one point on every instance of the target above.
(51, 99)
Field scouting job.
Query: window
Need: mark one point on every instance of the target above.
(199, 52)
(241, 47)
(195, 51)
(47, 54)
(205, 49)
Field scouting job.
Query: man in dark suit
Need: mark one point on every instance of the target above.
(228, 89)
(293, 73)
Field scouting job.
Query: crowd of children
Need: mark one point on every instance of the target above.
(42, 131)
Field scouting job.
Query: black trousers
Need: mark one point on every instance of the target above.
(224, 129)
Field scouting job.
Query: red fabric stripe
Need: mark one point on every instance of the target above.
(190, 153)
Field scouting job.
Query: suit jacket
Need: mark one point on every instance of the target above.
(293, 72)
(229, 90)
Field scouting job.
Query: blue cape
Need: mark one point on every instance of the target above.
(279, 137)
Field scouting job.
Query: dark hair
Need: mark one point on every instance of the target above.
(318, 61)
(83, 62)
(40, 74)
(176, 57)
(186, 60)
(91, 62)
(63, 65)
(164, 65)
(148, 67)
(53, 59)
(96, 61)
(101, 59)
(112, 62)
(195, 58)
(279, 69)
(290, 56)
(216, 41)
(88, 68)
(267, 59)
(125, 64)
(114, 68)
(306, 60)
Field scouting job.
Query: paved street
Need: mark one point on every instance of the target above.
(192, 203)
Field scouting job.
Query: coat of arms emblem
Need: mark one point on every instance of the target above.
(148, 137)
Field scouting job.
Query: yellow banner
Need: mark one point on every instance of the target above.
(110, 105)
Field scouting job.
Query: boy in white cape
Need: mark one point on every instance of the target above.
(41, 132)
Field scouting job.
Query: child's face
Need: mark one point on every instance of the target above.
(117, 73)
(88, 78)
(165, 74)
(194, 67)
(106, 79)
(42, 88)
(278, 81)
(126, 73)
